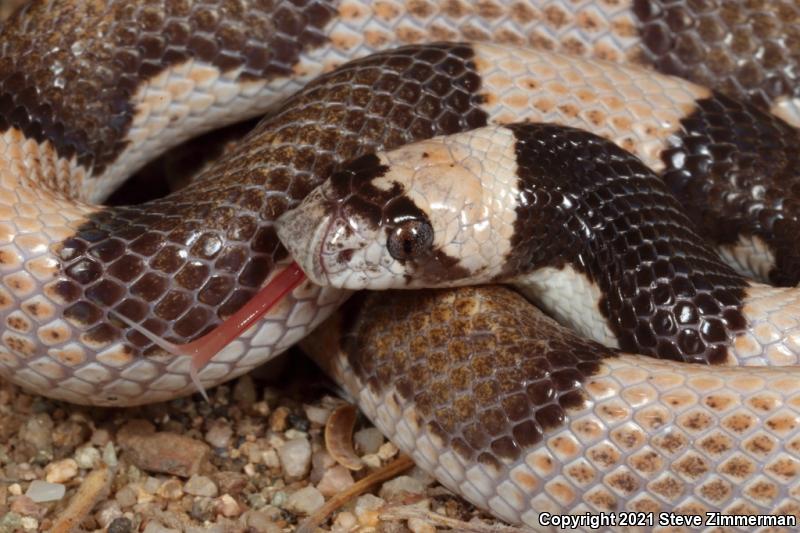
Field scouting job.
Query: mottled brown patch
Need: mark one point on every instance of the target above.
(763, 491)
(716, 491)
(602, 500)
(628, 438)
(502, 413)
(647, 462)
(782, 423)
(738, 467)
(785, 467)
(72, 86)
(624, 483)
(719, 402)
(716, 444)
(739, 422)
(668, 487)
(581, 473)
(691, 466)
(603, 455)
(671, 442)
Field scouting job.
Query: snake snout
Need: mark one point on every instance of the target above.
(303, 231)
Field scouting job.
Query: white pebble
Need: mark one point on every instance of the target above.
(29, 523)
(110, 455)
(228, 506)
(372, 460)
(200, 486)
(108, 512)
(400, 487)
(305, 501)
(295, 457)
(270, 458)
(367, 509)
(219, 435)
(345, 521)
(42, 491)
(368, 440)
(15, 489)
(61, 471)
(335, 480)
(87, 457)
(317, 415)
(387, 451)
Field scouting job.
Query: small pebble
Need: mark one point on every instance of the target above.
(29, 523)
(271, 459)
(203, 509)
(278, 419)
(38, 432)
(87, 457)
(24, 506)
(368, 440)
(171, 489)
(15, 489)
(42, 491)
(367, 509)
(295, 458)
(335, 480)
(321, 462)
(165, 452)
(126, 497)
(400, 487)
(10, 522)
(120, 525)
(230, 482)
(151, 485)
(109, 511)
(305, 501)
(61, 471)
(345, 521)
(278, 499)
(200, 486)
(372, 460)
(100, 437)
(317, 415)
(219, 435)
(244, 391)
(387, 451)
(261, 521)
(298, 423)
(110, 455)
(228, 507)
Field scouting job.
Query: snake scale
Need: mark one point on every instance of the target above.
(91, 91)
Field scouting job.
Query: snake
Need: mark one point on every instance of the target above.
(90, 91)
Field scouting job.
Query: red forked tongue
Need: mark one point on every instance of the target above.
(203, 349)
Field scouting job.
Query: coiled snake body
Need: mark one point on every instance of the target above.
(90, 91)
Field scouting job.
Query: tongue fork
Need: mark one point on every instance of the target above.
(203, 349)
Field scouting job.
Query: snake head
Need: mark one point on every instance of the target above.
(418, 216)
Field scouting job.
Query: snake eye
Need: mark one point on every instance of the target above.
(410, 239)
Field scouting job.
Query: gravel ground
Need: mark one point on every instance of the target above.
(253, 459)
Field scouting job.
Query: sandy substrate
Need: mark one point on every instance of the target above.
(253, 459)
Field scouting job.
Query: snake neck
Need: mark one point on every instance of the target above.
(593, 220)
